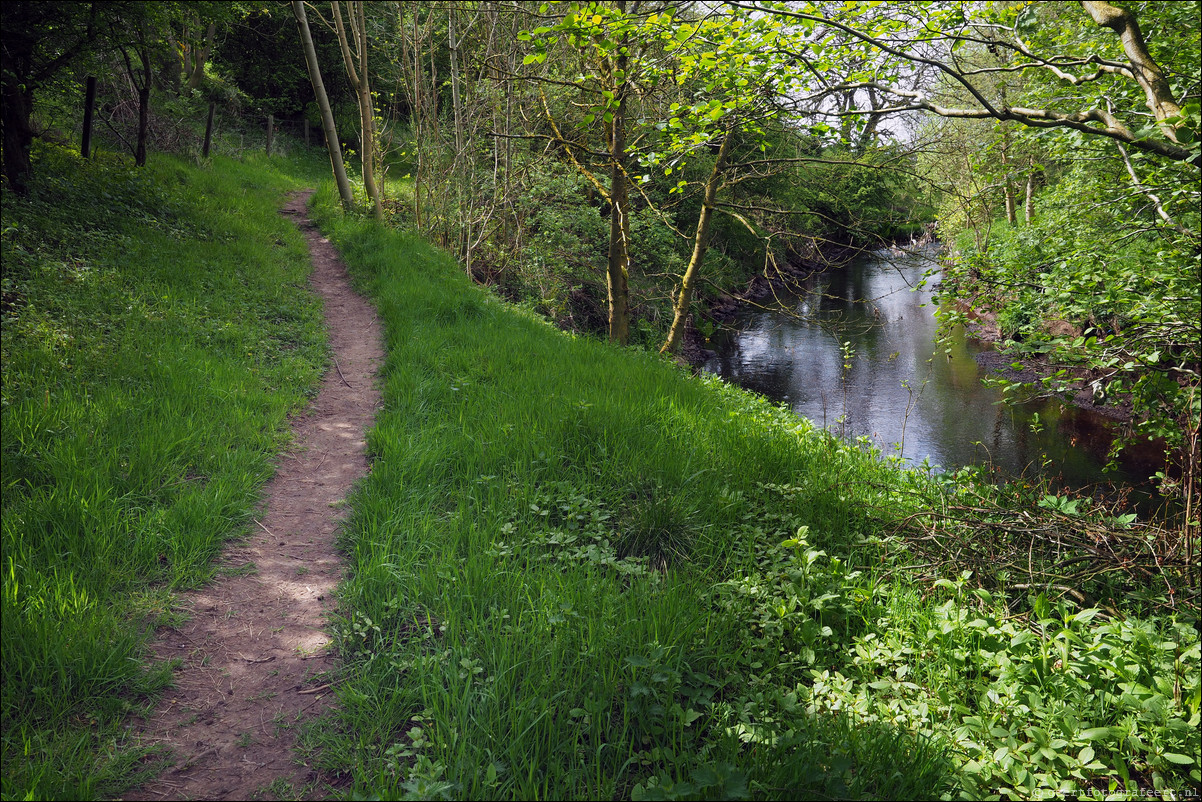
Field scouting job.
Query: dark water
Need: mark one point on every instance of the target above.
(902, 390)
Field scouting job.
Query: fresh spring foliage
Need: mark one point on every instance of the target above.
(1086, 247)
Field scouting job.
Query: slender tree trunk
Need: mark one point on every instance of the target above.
(270, 131)
(417, 126)
(700, 245)
(209, 130)
(323, 105)
(368, 112)
(142, 50)
(618, 268)
(456, 105)
(143, 109)
(458, 175)
(356, 72)
(1029, 205)
(89, 106)
(1007, 181)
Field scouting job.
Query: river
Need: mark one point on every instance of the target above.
(904, 392)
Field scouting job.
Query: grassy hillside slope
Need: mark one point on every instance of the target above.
(579, 573)
(157, 331)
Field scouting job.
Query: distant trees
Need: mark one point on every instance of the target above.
(40, 39)
(163, 45)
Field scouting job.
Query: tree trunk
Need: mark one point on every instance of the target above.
(1157, 91)
(89, 106)
(618, 269)
(209, 130)
(1007, 182)
(323, 105)
(270, 131)
(457, 117)
(143, 109)
(1029, 205)
(196, 71)
(18, 134)
(368, 111)
(700, 246)
(456, 105)
(358, 76)
(417, 128)
(141, 48)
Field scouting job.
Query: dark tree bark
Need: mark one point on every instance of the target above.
(18, 135)
(89, 105)
(209, 130)
(143, 110)
(39, 39)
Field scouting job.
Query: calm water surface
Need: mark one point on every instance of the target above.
(902, 390)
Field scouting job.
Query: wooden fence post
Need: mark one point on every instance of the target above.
(89, 103)
(209, 130)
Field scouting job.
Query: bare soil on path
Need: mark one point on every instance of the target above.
(254, 650)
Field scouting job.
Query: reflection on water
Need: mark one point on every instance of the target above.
(902, 390)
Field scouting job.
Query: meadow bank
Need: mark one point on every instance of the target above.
(158, 331)
(575, 571)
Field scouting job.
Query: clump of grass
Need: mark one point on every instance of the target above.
(577, 572)
(157, 332)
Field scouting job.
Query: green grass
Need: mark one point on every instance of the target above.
(578, 573)
(575, 571)
(158, 331)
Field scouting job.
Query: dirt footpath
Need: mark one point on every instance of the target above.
(254, 651)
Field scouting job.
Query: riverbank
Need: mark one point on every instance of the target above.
(580, 572)
(575, 571)
(1083, 389)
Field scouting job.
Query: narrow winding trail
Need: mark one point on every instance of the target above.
(254, 651)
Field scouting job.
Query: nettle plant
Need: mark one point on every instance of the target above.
(1058, 699)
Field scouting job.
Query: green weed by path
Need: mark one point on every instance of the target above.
(157, 332)
(579, 574)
